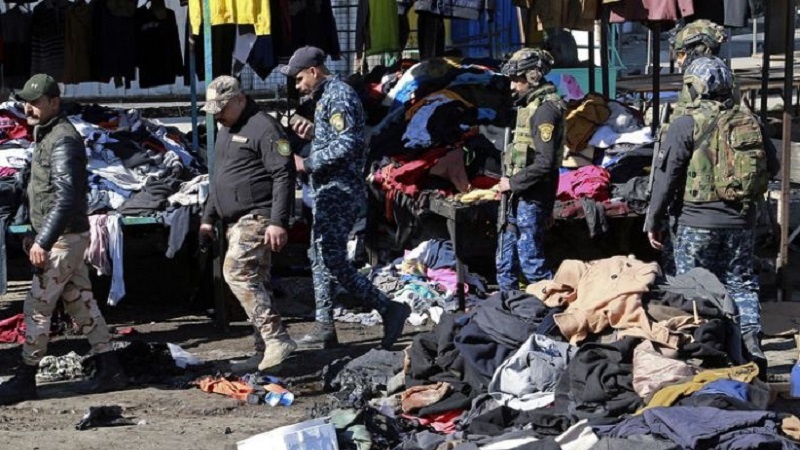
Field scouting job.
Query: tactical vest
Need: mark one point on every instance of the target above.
(521, 154)
(729, 159)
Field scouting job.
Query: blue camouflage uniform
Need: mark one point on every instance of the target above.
(336, 168)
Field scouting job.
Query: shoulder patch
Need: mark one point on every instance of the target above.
(546, 131)
(337, 122)
(283, 147)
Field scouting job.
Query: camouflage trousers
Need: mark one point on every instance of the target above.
(522, 248)
(667, 259)
(65, 277)
(247, 271)
(335, 212)
(728, 254)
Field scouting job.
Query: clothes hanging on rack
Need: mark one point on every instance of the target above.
(241, 12)
(158, 46)
(377, 27)
(317, 24)
(15, 25)
(114, 40)
(650, 10)
(48, 34)
(223, 41)
(78, 43)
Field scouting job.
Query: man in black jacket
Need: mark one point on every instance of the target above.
(252, 188)
(58, 210)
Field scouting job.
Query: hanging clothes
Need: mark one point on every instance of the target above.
(650, 10)
(223, 41)
(430, 35)
(233, 12)
(16, 25)
(78, 43)
(48, 34)
(315, 25)
(114, 40)
(379, 27)
(159, 48)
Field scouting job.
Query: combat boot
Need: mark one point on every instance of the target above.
(276, 351)
(20, 387)
(109, 376)
(251, 364)
(322, 336)
(394, 320)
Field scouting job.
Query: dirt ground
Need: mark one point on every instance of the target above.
(171, 417)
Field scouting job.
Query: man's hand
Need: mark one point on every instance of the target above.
(303, 127)
(299, 165)
(276, 237)
(504, 185)
(38, 256)
(207, 232)
(655, 240)
(27, 243)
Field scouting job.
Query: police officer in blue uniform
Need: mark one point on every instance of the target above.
(336, 169)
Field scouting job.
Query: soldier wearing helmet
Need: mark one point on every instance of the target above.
(699, 38)
(716, 162)
(530, 168)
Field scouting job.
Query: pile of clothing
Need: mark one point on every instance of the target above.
(438, 126)
(607, 354)
(136, 167)
(424, 278)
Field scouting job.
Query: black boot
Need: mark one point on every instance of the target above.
(20, 387)
(109, 375)
(322, 336)
(394, 319)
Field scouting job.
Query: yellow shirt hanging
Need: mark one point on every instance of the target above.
(240, 12)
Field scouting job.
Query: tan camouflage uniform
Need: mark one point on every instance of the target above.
(66, 277)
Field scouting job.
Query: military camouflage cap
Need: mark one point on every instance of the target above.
(709, 75)
(701, 31)
(219, 92)
(527, 59)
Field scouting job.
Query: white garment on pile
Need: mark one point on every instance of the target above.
(85, 128)
(606, 137)
(97, 252)
(194, 192)
(117, 292)
(16, 158)
(116, 173)
(13, 107)
(186, 158)
(621, 120)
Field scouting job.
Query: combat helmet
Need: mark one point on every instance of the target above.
(709, 77)
(533, 63)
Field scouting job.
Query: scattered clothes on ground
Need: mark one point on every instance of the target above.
(12, 330)
(103, 416)
(704, 427)
(60, 368)
(232, 388)
(361, 379)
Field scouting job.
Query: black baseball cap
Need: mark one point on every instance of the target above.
(304, 58)
(37, 86)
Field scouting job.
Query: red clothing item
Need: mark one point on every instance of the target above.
(650, 10)
(589, 181)
(12, 330)
(443, 423)
(13, 127)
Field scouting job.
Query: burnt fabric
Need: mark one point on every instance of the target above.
(599, 381)
(361, 378)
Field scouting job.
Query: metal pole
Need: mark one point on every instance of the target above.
(649, 51)
(785, 290)
(592, 81)
(220, 294)
(193, 95)
(765, 64)
(656, 75)
(604, 50)
(755, 34)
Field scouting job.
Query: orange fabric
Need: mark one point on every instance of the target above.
(233, 389)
